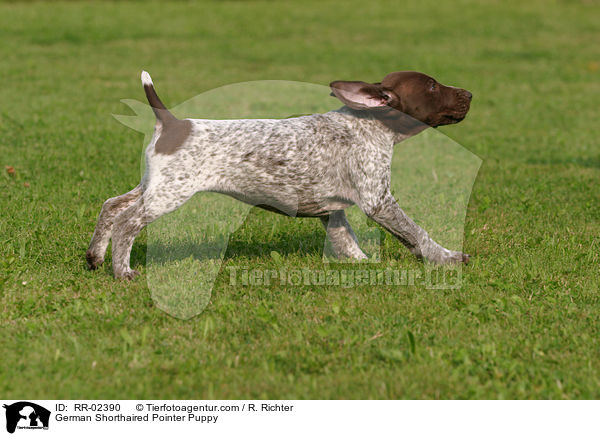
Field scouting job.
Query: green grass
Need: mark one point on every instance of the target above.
(525, 323)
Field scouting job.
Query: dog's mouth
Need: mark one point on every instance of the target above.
(447, 119)
(457, 112)
(453, 118)
(454, 115)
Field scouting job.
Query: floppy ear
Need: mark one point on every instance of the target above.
(361, 95)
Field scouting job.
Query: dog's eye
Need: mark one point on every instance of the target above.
(433, 86)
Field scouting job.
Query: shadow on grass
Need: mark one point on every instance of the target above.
(309, 243)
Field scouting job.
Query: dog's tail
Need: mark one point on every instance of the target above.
(160, 110)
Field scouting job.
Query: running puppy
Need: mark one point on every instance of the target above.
(310, 166)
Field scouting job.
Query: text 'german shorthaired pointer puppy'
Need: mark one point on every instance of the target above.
(309, 166)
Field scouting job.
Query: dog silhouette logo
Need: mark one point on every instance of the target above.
(26, 415)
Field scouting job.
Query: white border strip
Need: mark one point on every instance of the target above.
(161, 417)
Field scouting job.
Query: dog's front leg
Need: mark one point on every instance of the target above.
(388, 214)
(342, 238)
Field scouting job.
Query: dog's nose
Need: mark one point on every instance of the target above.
(468, 95)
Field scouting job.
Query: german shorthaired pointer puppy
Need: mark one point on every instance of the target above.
(309, 166)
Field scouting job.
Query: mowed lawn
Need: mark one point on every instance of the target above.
(525, 323)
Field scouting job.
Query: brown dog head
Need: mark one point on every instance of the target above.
(406, 92)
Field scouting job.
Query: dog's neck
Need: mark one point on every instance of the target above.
(399, 124)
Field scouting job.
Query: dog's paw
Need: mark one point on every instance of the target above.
(457, 257)
(93, 261)
(465, 258)
(127, 275)
(449, 258)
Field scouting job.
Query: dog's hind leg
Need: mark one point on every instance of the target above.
(110, 210)
(153, 204)
(126, 227)
(342, 238)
